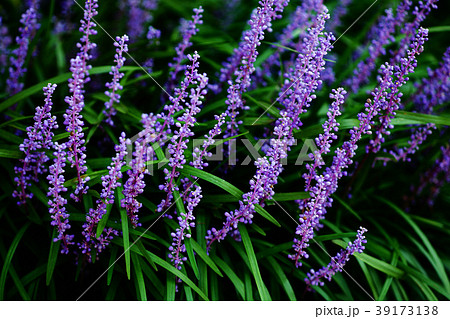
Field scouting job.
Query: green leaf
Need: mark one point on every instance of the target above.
(56, 80)
(233, 190)
(8, 258)
(112, 263)
(139, 277)
(263, 293)
(52, 257)
(423, 118)
(276, 268)
(10, 154)
(235, 280)
(202, 254)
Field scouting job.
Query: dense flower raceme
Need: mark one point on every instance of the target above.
(188, 29)
(311, 209)
(434, 91)
(339, 11)
(178, 142)
(73, 118)
(138, 15)
(186, 221)
(399, 78)
(260, 22)
(57, 203)
(409, 29)
(337, 262)
(17, 69)
(114, 86)
(154, 134)
(301, 19)
(382, 35)
(296, 96)
(39, 138)
(326, 184)
(4, 46)
(246, 53)
(109, 182)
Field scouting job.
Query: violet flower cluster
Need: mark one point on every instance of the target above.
(246, 54)
(392, 104)
(57, 203)
(337, 262)
(185, 221)
(296, 96)
(178, 142)
(4, 46)
(73, 118)
(39, 138)
(188, 29)
(109, 182)
(386, 97)
(382, 36)
(409, 29)
(302, 19)
(114, 86)
(138, 15)
(260, 22)
(29, 27)
(434, 91)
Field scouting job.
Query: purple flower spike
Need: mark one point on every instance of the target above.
(57, 210)
(392, 103)
(382, 35)
(39, 138)
(4, 46)
(115, 86)
(188, 29)
(138, 15)
(109, 182)
(17, 69)
(246, 54)
(73, 119)
(181, 136)
(338, 262)
(434, 91)
(185, 221)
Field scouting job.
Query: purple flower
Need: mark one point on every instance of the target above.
(138, 15)
(109, 182)
(27, 32)
(178, 142)
(246, 54)
(4, 46)
(302, 19)
(295, 97)
(385, 96)
(73, 119)
(115, 86)
(338, 262)
(392, 103)
(185, 222)
(188, 29)
(304, 78)
(409, 29)
(153, 35)
(198, 154)
(57, 209)
(39, 138)
(243, 57)
(339, 11)
(383, 35)
(433, 91)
